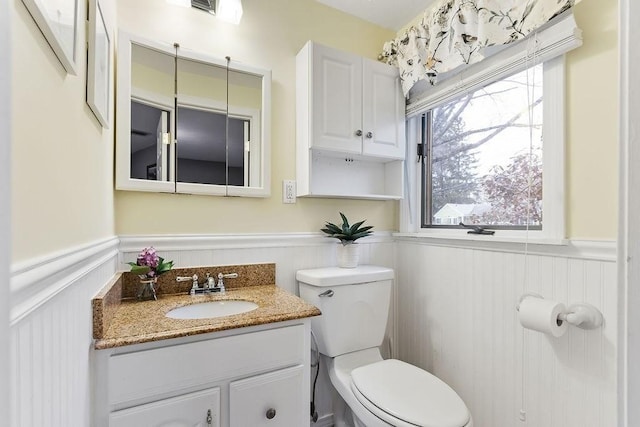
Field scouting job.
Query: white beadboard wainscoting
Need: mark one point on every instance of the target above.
(456, 318)
(51, 334)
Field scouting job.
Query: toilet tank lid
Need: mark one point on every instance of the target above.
(336, 276)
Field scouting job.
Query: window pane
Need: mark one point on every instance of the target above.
(485, 146)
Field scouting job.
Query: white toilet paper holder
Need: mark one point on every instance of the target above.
(582, 315)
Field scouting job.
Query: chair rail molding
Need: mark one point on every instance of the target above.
(38, 280)
(176, 242)
(601, 250)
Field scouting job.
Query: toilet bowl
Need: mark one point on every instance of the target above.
(379, 393)
(382, 393)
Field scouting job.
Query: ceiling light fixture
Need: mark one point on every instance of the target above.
(230, 11)
(225, 10)
(205, 5)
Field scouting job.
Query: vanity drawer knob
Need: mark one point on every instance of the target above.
(359, 132)
(271, 413)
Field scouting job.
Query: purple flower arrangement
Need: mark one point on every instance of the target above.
(149, 265)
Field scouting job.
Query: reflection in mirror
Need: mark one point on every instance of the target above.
(244, 145)
(150, 131)
(151, 114)
(201, 123)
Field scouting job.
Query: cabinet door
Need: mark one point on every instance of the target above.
(384, 111)
(337, 100)
(199, 409)
(272, 399)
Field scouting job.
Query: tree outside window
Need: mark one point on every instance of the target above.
(485, 156)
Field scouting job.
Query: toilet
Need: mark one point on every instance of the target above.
(355, 306)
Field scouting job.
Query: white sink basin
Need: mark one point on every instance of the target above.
(207, 310)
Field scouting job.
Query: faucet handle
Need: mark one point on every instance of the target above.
(222, 276)
(187, 278)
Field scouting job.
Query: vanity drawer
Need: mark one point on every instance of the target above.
(148, 373)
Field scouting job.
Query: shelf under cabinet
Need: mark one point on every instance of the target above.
(350, 176)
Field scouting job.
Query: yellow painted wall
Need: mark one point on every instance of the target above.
(592, 131)
(62, 159)
(269, 36)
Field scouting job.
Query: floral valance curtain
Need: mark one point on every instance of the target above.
(454, 32)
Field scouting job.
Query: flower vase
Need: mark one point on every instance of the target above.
(348, 255)
(147, 290)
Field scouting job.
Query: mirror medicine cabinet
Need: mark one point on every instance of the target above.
(190, 123)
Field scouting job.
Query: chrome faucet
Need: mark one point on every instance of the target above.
(208, 286)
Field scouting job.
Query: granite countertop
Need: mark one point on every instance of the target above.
(119, 322)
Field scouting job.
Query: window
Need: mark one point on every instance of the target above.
(483, 148)
(480, 161)
(474, 131)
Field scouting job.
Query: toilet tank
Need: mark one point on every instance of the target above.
(355, 306)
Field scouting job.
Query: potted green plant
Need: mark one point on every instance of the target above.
(348, 254)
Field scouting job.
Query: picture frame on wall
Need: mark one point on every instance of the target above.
(98, 64)
(58, 22)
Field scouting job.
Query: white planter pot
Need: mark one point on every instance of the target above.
(348, 255)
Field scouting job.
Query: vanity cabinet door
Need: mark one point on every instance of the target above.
(199, 409)
(272, 399)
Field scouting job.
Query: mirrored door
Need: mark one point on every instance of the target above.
(151, 114)
(201, 123)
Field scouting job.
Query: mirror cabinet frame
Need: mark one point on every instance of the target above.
(125, 93)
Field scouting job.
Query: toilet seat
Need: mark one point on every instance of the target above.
(405, 395)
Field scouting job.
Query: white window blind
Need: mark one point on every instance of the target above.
(554, 39)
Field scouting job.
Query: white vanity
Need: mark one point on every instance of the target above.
(244, 377)
(250, 369)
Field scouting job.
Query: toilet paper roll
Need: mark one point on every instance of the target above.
(542, 315)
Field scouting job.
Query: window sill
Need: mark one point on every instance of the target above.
(449, 237)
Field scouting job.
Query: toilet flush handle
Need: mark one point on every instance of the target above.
(328, 293)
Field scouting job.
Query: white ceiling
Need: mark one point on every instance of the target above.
(392, 14)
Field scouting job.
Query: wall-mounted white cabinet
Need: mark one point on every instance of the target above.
(350, 125)
(246, 377)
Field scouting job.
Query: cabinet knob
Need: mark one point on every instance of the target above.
(369, 135)
(271, 413)
(358, 132)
